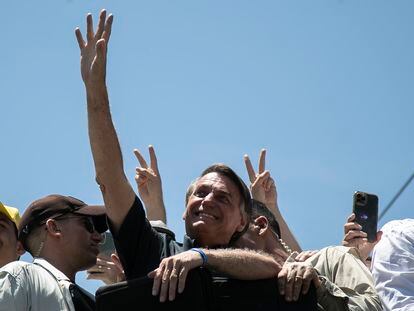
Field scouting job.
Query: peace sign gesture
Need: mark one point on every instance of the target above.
(150, 186)
(262, 185)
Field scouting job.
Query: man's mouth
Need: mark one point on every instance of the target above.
(206, 215)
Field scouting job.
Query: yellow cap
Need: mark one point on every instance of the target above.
(11, 213)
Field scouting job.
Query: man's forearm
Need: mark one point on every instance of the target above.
(242, 264)
(107, 155)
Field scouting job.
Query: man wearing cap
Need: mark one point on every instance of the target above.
(62, 234)
(10, 248)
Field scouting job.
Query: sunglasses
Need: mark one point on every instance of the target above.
(86, 221)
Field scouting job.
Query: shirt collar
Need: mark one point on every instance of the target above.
(59, 275)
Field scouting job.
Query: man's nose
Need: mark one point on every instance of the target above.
(97, 237)
(209, 198)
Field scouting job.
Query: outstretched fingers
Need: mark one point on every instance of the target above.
(153, 159)
(108, 28)
(79, 38)
(262, 161)
(89, 27)
(101, 25)
(250, 169)
(140, 158)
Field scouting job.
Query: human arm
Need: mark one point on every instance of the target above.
(116, 190)
(242, 264)
(263, 189)
(149, 185)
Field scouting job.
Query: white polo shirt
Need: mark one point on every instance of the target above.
(36, 286)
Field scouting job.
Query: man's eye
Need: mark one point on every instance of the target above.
(200, 193)
(223, 198)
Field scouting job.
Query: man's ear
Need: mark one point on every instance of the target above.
(20, 249)
(262, 224)
(52, 227)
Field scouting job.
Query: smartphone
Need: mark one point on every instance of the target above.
(365, 208)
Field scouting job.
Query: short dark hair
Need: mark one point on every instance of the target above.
(260, 209)
(225, 170)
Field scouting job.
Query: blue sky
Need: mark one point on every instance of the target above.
(324, 86)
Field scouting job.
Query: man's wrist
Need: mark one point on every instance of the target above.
(203, 255)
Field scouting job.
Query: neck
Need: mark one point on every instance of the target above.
(60, 264)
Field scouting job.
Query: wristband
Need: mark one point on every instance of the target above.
(202, 254)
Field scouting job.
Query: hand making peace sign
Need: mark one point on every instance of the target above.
(262, 185)
(150, 186)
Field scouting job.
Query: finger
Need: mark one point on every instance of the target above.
(269, 183)
(79, 38)
(165, 281)
(173, 281)
(262, 161)
(354, 234)
(354, 242)
(157, 275)
(140, 158)
(101, 24)
(108, 28)
(100, 50)
(144, 172)
(250, 169)
(182, 278)
(351, 218)
(352, 226)
(307, 279)
(261, 179)
(281, 280)
(117, 262)
(153, 159)
(290, 280)
(89, 27)
(297, 287)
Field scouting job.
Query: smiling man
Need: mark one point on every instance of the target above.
(10, 248)
(62, 234)
(215, 213)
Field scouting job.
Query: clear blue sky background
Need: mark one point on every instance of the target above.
(325, 86)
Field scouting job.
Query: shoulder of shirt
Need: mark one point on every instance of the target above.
(16, 268)
(400, 225)
(338, 251)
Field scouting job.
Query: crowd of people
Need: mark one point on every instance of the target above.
(232, 230)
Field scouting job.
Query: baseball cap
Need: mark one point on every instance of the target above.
(11, 213)
(55, 205)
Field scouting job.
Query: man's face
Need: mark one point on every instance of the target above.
(80, 239)
(10, 249)
(213, 212)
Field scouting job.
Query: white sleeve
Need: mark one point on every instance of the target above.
(393, 266)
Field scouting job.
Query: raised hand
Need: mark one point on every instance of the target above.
(262, 185)
(150, 186)
(170, 276)
(93, 51)
(355, 237)
(105, 270)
